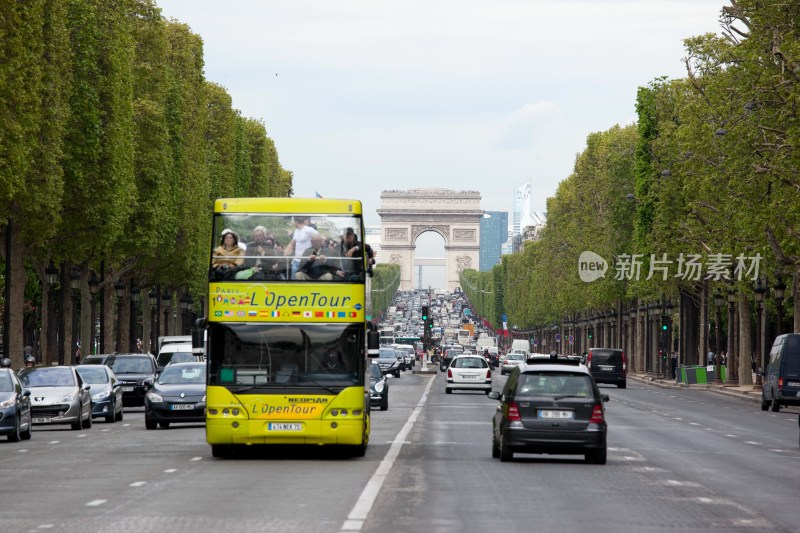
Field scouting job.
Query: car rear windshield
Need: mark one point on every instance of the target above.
(180, 375)
(6, 385)
(607, 357)
(93, 375)
(469, 362)
(132, 365)
(175, 357)
(554, 384)
(516, 357)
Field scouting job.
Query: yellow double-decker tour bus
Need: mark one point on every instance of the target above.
(287, 325)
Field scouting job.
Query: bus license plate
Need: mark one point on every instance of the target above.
(560, 415)
(41, 420)
(182, 406)
(273, 426)
(127, 389)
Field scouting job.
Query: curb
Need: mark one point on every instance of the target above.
(752, 396)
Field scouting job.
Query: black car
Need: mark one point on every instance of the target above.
(449, 354)
(378, 387)
(97, 359)
(390, 361)
(550, 407)
(131, 369)
(15, 407)
(179, 395)
(608, 365)
(106, 391)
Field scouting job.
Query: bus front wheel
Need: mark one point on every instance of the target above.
(220, 450)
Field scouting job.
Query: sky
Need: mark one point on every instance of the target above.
(362, 96)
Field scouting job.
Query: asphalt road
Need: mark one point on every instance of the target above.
(679, 460)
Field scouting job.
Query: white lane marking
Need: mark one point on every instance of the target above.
(170, 470)
(731, 436)
(105, 429)
(54, 441)
(82, 435)
(95, 503)
(752, 442)
(355, 520)
(677, 418)
(138, 483)
(196, 459)
(693, 424)
(703, 499)
(125, 425)
(46, 526)
(777, 451)
(21, 451)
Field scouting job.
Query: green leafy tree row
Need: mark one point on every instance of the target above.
(710, 168)
(113, 146)
(385, 282)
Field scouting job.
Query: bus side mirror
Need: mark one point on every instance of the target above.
(199, 336)
(373, 343)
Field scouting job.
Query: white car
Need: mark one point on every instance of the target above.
(469, 372)
(513, 360)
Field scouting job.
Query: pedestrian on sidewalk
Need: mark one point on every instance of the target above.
(673, 364)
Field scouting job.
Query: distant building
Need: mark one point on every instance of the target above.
(372, 236)
(522, 207)
(532, 226)
(493, 233)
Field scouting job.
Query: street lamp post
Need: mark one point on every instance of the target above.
(51, 277)
(733, 359)
(719, 301)
(184, 312)
(759, 291)
(166, 298)
(780, 289)
(75, 286)
(133, 336)
(152, 297)
(94, 288)
(119, 290)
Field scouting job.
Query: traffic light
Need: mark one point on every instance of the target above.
(589, 332)
(424, 314)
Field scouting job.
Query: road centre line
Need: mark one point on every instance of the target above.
(95, 503)
(170, 470)
(355, 520)
(138, 483)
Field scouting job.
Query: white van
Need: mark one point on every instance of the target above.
(521, 344)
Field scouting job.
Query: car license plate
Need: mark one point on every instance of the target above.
(182, 406)
(42, 420)
(559, 415)
(606, 368)
(127, 389)
(273, 426)
(793, 384)
(470, 377)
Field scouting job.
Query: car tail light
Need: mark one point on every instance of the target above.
(624, 363)
(449, 374)
(489, 374)
(780, 383)
(513, 413)
(597, 414)
(589, 359)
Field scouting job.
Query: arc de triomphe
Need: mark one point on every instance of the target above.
(455, 215)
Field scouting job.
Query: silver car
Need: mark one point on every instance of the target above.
(58, 396)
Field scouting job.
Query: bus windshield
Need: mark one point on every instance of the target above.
(280, 247)
(264, 357)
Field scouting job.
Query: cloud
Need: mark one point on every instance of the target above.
(527, 124)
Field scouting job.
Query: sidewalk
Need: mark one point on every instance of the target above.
(746, 392)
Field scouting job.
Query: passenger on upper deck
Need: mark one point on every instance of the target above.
(314, 264)
(228, 255)
(351, 252)
(301, 241)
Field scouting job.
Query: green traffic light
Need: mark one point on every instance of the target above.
(664, 327)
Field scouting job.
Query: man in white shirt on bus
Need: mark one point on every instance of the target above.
(301, 241)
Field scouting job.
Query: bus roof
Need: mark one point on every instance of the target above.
(287, 205)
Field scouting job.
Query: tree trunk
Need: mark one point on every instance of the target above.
(796, 298)
(86, 316)
(16, 307)
(745, 342)
(110, 316)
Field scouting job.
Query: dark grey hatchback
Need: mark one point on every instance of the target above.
(550, 407)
